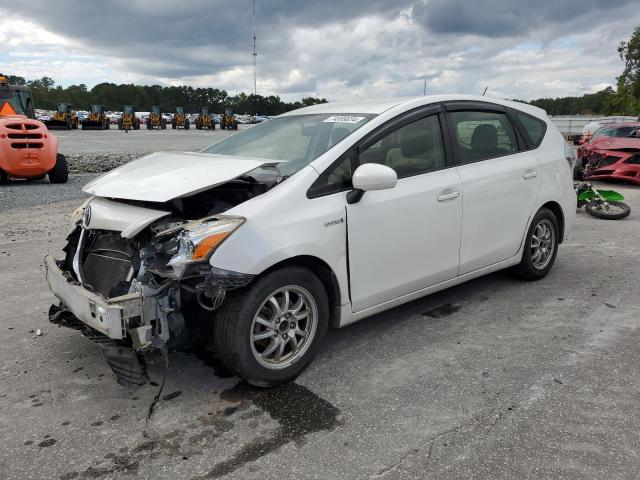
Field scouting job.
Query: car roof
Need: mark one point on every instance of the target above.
(378, 106)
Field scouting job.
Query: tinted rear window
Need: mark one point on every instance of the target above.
(534, 128)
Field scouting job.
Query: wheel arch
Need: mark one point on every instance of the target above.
(557, 211)
(325, 274)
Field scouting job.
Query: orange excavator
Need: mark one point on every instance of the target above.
(27, 149)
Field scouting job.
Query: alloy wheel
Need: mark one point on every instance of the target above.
(283, 328)
(543, 244)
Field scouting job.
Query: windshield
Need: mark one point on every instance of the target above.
(179, 110)
(96, 108)
(628, 131)
(11, 96)
(295, 139)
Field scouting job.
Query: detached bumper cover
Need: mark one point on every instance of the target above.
(107, 316)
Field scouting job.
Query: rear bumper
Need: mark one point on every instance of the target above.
(107, 316)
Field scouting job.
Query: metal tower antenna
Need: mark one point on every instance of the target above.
(255, 53)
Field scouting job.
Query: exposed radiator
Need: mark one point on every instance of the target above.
(107, 264)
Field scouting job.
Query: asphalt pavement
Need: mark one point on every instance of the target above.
(493, 379)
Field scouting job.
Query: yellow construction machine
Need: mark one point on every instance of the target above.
(155, 119)
(96, 119)
(204, 120)
(128, 120)
(228, 120)
(63, 118)
(180, 119)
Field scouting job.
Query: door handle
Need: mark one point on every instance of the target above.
(530, 174)
(448, 196)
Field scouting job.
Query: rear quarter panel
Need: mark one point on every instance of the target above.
(557, 182)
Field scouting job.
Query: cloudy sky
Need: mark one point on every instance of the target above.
(336, 49)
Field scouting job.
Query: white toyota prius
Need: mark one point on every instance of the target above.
(316, 218)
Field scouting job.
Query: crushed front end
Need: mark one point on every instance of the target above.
(622, 164)
(136, 277)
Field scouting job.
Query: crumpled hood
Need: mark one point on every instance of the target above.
(163, 176)
(615, 143)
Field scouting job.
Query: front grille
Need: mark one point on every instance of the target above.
(107, 264)
(22, 126)
(31, 145)
(602, 172)
(24, 136)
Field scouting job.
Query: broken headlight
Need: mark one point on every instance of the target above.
(198, 241)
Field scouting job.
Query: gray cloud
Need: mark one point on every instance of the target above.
(507, 18)
(341, 49)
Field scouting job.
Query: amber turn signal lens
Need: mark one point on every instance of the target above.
(208, 244)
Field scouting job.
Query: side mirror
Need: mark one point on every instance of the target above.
(371, 176)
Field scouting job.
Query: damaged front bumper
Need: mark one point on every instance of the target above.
(143, 320)
(107, 316)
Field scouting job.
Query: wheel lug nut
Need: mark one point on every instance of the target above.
(284, 335)
(292, 325)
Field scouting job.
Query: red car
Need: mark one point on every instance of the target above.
(613, 153)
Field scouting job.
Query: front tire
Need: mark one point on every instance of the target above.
(540, 246)
(59, 173)
(619, 211)
(269, 332)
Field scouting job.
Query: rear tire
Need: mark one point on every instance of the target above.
(622, 211)
(60, 173)
(540, 248)
(236, 328)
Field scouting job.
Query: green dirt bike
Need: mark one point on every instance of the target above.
(605, 204)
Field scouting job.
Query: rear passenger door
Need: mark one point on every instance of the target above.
(500, 182)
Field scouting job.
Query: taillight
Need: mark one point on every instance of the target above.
(569, 155)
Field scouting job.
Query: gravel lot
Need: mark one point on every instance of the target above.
(493, 379)
(74, 142)
(23, 194)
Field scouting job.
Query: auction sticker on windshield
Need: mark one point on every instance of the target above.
(343, 119)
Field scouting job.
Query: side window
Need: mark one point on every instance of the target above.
(534, 128)
(481, 135)
(336, 178)
(410, 150)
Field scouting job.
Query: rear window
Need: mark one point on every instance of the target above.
(481, 135)
(534, 128)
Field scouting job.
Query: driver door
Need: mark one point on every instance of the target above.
(405, 238)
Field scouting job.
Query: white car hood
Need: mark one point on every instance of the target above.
(163, 176)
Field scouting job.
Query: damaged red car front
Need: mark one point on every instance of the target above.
(613, 153)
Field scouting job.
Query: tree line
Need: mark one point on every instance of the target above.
(46, 94)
